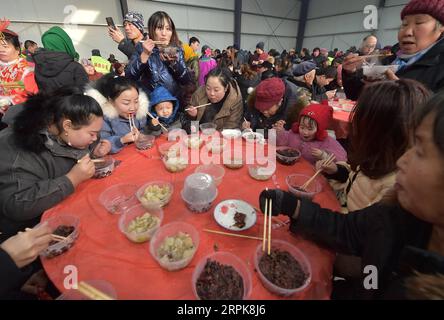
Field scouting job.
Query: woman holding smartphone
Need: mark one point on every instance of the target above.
(159, 60)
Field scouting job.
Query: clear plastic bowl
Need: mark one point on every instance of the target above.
(233, 162)
(101, 285)
(216, 145)
(175, 164)
(253, 137)
(118, 198)
(261, 172)
(208, 128)
(145, 141)
(62, 246)
(131, 214)
(225, 258)
(171, 148)
(299, 257)
(287, 156)
(199, 206)
(171, 230)
(231, 133)
(105, 168)
(294, 181)
(194, 141)
(214, 170)
(199, 188)
(153, 203)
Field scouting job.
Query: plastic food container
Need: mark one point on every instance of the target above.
(231, 133)
(228, 259)
(118, 198)
(105, 168)
(193, 141)
(287, 156)
(233, 162)
(295, 181)
(61, 225)
(139, 227)
(175, 164)
(261, 172)
(199, 192)
(297, 254)
(208, 128)
(175, 231)
(215, 171)
(216, 145)
(155, 194)
(144, 141)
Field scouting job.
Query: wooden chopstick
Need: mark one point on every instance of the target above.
(132, 126)
(54, 236)
(328, 161)
(152, 117)
(232, 234)
(92, 292)
(264, 238)
(160, 42)
(376, 56)
(270, 213)
(199, 106)
(58, 238)
(93, 160)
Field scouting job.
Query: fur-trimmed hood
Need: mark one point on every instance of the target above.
(111, 112)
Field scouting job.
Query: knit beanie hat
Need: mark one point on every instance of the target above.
(260, 45)
(136, 19)
(303, 68)
(268, 93)
(435, 8)
(320, 113)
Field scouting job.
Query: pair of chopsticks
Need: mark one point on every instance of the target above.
(152, 117)
(232, 234)
(327, 162)
(376, 56)
(91, 292)
(267, 216)
(55, 237)
(132, 124)
(93, 160)
(199, 106)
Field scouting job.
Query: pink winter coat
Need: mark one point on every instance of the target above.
(329, 145)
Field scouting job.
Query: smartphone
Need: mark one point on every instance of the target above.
(110, 22)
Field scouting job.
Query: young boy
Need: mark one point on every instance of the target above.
(164, 107)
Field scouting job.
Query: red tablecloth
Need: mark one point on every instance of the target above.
(103, 253)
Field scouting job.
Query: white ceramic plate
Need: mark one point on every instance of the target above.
(225, 211)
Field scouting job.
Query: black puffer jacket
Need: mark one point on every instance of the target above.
(381, 234)
(57, 69)
(429, 70)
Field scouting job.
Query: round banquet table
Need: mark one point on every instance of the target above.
(102, 252)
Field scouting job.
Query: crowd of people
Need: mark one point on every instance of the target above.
(58, 112)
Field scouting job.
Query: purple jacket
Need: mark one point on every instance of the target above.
(205, 66)
(293, 140)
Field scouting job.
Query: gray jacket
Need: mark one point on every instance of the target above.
(31, 183)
